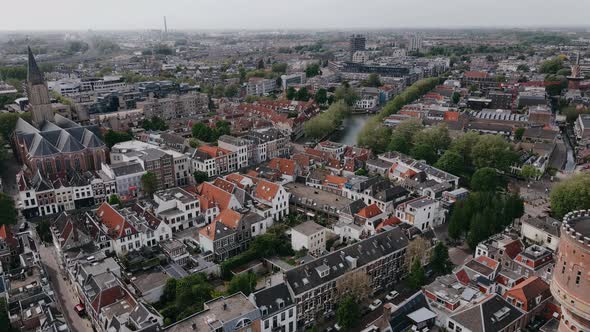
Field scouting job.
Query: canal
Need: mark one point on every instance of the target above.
(351, 127)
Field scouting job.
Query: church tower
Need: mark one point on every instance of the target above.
(38, 94)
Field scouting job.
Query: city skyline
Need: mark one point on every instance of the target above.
(306, 14)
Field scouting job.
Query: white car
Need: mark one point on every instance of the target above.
(375, 304)
(391, 295)
(337, 327)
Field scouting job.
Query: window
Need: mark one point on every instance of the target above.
(266, 324)
(578, 276)
(451, 325)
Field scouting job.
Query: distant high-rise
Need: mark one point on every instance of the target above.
(415, 44)
(357, 43)
(38, 93)
(165, 26)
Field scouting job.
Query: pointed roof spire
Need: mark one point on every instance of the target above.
(34, 75)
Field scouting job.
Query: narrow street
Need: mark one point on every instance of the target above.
(64, 292)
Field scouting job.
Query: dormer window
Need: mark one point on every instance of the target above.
(128, 231)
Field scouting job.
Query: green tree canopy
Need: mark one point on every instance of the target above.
(7, 210)
(348, 313)
(149, 183)
(439, 261)
(455, 97)
(113, 137)
(373, 80)
(530, 172)
(570, 195)
(244, 282)
(493, 151)
(424, 152)
(417, 276)
(518, 133)
(485, 179)
(114, 200)
(312, 70)
(200, 176)
(279, 67)
(321, 96)
(452, 162)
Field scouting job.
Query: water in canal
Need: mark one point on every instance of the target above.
(351, 128)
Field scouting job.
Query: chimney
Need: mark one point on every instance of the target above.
(387, 308)
(224, 306)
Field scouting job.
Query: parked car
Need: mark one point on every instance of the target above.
(391, 295)
(375, 304)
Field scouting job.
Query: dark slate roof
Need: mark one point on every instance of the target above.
(34, 75)
(270, 298)
(354, 207)
(399, 320)
(493, 314)
(391, 194)
(63, 136)
(305, 277)
(126, 168)
(42, 147)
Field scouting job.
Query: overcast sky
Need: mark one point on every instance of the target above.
(287, 14)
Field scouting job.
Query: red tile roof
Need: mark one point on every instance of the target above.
(451, 116)
(266, 190)
(337, 180)
(463, 277)
(229, 218)
(527, 291)
(213, 151)
(492, 264)
(224, 184)
(370, 211)
(392, 221)
(285, 166)
(213, 195)
(114, 221)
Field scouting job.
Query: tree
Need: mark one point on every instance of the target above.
(291, 93)
(518, 133)
(44, 231)
(321, 96)
(355, 284)
(7, 210)
(4, 319)
(551, 66)
(485, 179)
(232, 90)
(361, 172)
(202, 132)
(114, 200)
(452, 162)
(559, 83)
(493, 151)
(530, 172)
(424, 152)
(156, 123)
(570, 195)
(417, 276)
(279, 67)
(244, 282)
(523, 68)
(200, 176)
(439, 261)
(7, 124)
(419, 249)
(302, 94)
(347, 94)
(312, 70)
(113, 137)
(460, 218)
(149, 183)
(398, 143)
(348, 313)
(373, 80)
(436, 137)
(455, 97)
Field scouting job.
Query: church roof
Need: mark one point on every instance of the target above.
(34, 75)
(60, 137)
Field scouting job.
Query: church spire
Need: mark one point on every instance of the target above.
(34, 75)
